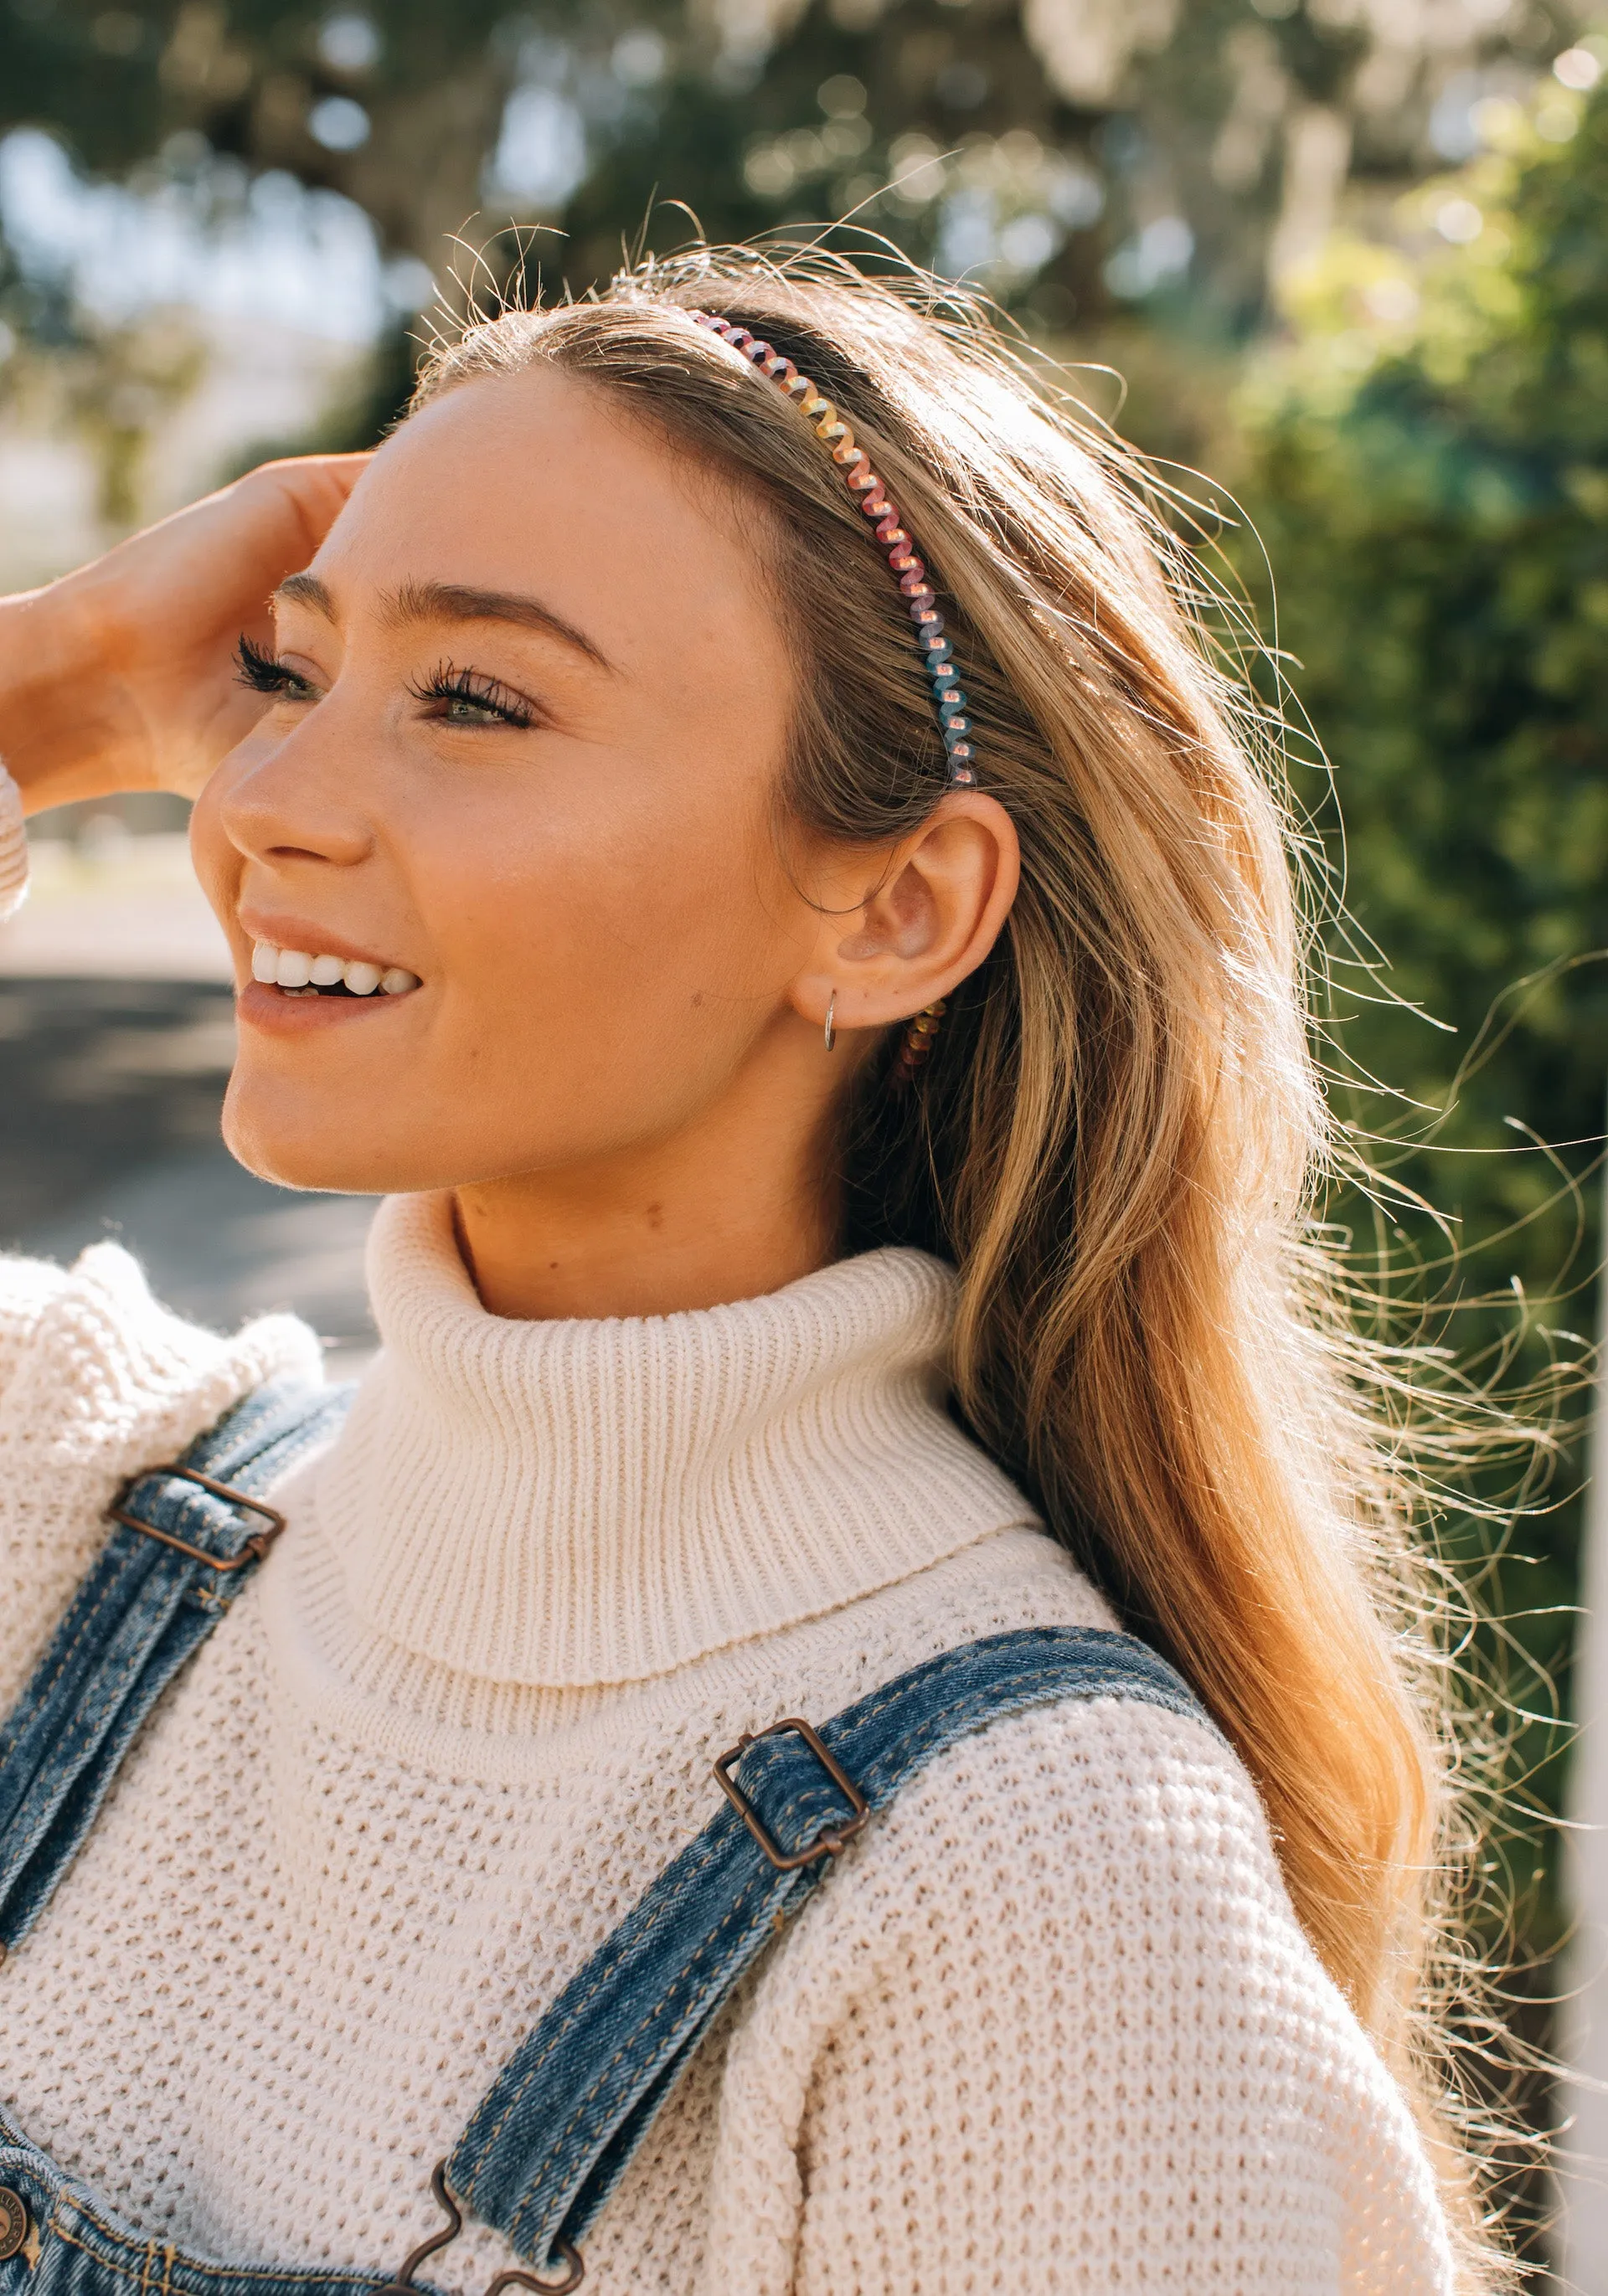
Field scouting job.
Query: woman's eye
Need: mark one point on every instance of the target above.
(264, 673)
(458, 711)
(470, 697)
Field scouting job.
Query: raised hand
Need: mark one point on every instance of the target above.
(121, 675)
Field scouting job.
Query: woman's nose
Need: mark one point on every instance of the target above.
(294, 799)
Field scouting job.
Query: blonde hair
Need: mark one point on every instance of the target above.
(1118, 1136)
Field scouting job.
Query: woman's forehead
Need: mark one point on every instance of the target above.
(508, 475)
(496, 451)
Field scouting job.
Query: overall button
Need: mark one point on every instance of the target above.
(13, 2222)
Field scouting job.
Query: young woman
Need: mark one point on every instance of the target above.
(847, 1148)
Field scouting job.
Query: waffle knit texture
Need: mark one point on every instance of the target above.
(14, 849)
(1051, 2025)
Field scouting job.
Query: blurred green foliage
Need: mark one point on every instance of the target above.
(1427, 466)
(1070, 152)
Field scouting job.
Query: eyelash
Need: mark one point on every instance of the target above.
(481, 691)
(263, 674)
(446, 685)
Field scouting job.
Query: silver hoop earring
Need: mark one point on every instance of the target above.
(831, 1007)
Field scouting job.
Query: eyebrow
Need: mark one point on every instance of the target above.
(305, 590)
(451, 602)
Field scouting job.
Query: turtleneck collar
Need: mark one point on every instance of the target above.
(573, 1503)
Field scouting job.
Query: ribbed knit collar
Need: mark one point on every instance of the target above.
(582, 1502)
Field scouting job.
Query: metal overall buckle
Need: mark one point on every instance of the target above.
(255, 1547)
(575, 2271)
(832, 1841)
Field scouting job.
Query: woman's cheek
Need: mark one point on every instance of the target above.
(216, 860)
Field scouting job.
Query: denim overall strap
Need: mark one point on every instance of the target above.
(137, 1616)
(555, 2133)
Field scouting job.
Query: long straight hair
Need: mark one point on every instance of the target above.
(1118, 1138)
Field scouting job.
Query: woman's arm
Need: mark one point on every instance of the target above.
(120, 676)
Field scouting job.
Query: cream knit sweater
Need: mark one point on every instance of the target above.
(1051, 2025)
(14, 848)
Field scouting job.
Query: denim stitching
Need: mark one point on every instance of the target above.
(35, 1716)
(192, 2265)
(37, 1703)
(901, 1759)
(693, 1967)
(113, 1683)
(124, 2271)
(686, 1981)
(604, 1961)
(602, 1973)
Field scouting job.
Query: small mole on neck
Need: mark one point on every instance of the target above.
(655, 1215)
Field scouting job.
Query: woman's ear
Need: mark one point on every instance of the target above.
(903, 927)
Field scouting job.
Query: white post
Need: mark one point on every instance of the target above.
(1583, 2020)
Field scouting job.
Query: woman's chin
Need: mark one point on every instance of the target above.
(281, 1138)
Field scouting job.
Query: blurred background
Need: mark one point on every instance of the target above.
(1346, 257)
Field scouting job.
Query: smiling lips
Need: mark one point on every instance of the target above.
(301, 974)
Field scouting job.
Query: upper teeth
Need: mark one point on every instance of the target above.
(295, 968)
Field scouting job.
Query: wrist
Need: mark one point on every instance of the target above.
(67, 728)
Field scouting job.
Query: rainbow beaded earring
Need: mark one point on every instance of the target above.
(917, 1045)
(937, 653)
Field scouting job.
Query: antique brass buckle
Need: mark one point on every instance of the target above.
(831, 1843)
(255, 1547)
(575, 2271)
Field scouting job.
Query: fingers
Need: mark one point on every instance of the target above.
(314, 488)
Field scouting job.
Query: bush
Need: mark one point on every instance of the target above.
(1426, 460)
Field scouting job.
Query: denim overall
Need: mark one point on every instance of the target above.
(555, 2132)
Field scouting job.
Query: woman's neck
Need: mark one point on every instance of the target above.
(716, 1213)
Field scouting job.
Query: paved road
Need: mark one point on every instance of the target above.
(112, 905)
(109, 1093)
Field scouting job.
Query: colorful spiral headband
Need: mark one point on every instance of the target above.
(937, 653)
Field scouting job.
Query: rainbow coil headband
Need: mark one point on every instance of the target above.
(937, 653)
